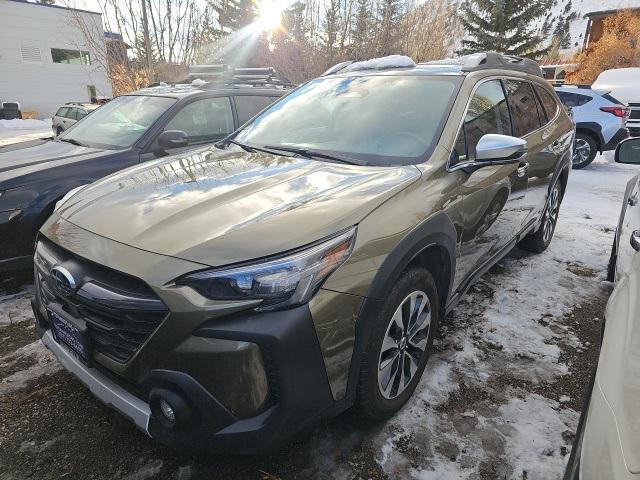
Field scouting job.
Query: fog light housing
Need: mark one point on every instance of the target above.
(171, 410)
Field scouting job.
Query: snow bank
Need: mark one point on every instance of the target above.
(392, 61)
(25, 124)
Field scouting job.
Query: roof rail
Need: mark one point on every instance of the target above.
(487, 60)
(216, 75)
(576, 85)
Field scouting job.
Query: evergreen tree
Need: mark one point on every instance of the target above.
(389, 20)
(234, 14)
(504, 26)
(361, 30)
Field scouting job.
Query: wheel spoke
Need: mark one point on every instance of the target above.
(388, 376)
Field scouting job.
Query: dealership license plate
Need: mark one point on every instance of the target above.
(70, 333)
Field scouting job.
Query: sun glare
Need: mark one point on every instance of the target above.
(270, 15)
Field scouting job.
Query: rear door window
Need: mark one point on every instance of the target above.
(63, 112)
(488, 112)
(582, 99)
(247, 106)
(204, 120)
(523, 107)
(80, 113)
(547, 102)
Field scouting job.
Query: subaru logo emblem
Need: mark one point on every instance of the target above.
(63, 281)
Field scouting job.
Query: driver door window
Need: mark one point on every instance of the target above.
(488, 112)
(204, 120)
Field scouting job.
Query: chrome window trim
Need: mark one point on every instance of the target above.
(472, 163)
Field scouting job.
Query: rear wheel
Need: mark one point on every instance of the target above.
(399, 345)
(584, 150)
(59, 130)
(538, 241)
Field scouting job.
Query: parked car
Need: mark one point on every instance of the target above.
(129, 130)
(69, 114)
(623, 85)
(600, 121)
(226, 298)
(608, 434)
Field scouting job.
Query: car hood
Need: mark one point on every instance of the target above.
(27, 157)
(220, 207)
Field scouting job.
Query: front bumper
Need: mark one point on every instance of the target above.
(299, 391)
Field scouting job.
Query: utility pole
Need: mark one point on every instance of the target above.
(147, 43)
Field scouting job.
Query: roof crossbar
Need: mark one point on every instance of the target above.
(487, 60)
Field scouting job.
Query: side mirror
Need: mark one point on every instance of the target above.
(173, 139)
(628, 151)
(496, 149)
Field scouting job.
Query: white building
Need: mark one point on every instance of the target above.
(46, 59)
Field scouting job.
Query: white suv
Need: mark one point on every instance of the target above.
(623, 84)
(69, 114)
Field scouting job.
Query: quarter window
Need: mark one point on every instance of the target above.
(523, 107)
(549, 104)
(487, 113)
(204, 119)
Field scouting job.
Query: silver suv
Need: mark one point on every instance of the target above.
(600, 121)
(69, 114)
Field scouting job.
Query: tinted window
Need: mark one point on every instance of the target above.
(80, 114)
(582, 99)
(248, 106)
(568, 99)
(487, 113)
(63, 112)
(377, 118)
(523, 107)
(204, 119)
(612, 99)
(119, 123)
(548, 103)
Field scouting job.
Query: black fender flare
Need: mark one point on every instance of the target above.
(438, 230)
(594, 129)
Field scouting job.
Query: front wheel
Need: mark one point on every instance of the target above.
(538, 241)
(399, 345)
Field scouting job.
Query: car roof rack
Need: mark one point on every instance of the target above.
(489, 60)
(216, 75)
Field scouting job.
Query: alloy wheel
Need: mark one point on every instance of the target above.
(581, 151)
(551, 216)
(404, 344)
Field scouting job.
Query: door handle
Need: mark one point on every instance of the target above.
(523, 169)
(635, 240)
(633, 200)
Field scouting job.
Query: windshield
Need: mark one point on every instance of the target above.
(381, 119)
(119, 123)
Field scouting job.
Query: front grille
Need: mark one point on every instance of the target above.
(120, 311)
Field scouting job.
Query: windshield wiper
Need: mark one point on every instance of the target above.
(72, 141)
(246, 148)
(310, 153)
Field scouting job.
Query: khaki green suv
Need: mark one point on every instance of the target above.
(224, 298)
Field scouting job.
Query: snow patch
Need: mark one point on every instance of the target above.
(391, 61)
(25, 124)
(44, 363)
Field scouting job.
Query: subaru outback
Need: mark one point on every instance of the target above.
(225, 298)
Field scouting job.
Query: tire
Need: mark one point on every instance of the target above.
(374, 401)
(59, 131)
(584, 150)
(538, 241)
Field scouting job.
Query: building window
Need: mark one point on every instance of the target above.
(73, 57)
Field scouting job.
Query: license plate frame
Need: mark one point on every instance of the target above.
(70, 332)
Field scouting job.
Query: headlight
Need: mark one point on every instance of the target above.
(280, 282)
(69, 194)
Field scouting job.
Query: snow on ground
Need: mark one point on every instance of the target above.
(508, 332)
(499, 398)
(21, 130)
